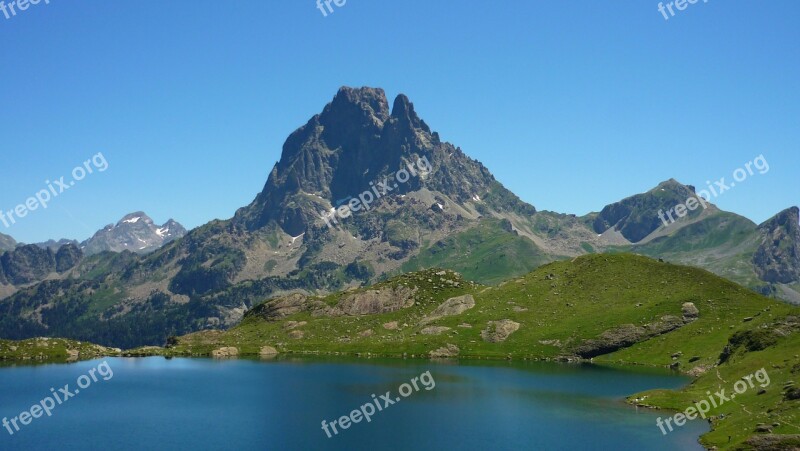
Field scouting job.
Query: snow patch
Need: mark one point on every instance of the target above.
(132, 220)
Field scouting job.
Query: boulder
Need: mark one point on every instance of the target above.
(450, 307)
(225, 352)
(371, 302)
(497, 331)
(434, 330)
(690, 312)
(450, 350)
(268, 351)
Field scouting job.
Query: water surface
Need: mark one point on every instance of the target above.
(203, 404)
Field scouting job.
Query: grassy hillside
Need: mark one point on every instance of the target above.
(51, 349)
(619, 309)
(560, 308)
(488, 253)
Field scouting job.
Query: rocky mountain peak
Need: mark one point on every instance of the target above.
(777, 259)
(135, 232)
(356, 105)
(637, 216)
(403, 111)
(355, 141)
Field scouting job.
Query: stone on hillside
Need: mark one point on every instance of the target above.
(450, 307)
(690, 312)
(497, 331)
(450, 350)
(372, 302)
(267, 351)
(225, 352)
(434, 330)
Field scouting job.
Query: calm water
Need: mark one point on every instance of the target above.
(199, 404)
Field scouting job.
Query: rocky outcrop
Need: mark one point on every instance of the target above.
(625, 336)
(498, 331)
(447, 351)
(225, 352)
(281, 307)
(772, 442)
(267, 351)
(370, 302)
(450, 307)
(7, 243)
(777, 259)
(690, 311)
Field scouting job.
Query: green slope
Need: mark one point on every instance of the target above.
(487, 253)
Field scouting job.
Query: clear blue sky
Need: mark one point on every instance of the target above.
(572, 105)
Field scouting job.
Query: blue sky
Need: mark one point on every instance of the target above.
(571, 104)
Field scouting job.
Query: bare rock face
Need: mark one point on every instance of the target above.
(777, 259)
(450, 307)
(391, 325)
(450, 350)
(278, 308)
(371, 302)
(626, 335)
(225, 352)
(498, 331)
(434, 330)
(690, 312)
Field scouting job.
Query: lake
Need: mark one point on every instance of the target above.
(204, 404)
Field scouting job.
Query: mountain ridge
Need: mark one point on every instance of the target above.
(457, 216)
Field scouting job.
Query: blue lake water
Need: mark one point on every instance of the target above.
(204, 404)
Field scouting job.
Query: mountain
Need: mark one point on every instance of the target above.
(135, 232)
(7, 243)
(363, 192)
(56, 245)
(29, 264)
(777, 258)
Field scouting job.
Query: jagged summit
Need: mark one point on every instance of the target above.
(135, 232)
(355, 141)
(777, 259)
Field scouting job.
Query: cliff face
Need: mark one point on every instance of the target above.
(777, 259)
(355, 141)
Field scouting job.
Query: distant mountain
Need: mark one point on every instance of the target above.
(31, 263)
(636, 217)
(363, 192)
(56, 245)
(7, 243)
(135, 232)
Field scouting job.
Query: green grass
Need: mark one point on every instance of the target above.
(486, 253)
(49, 349)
